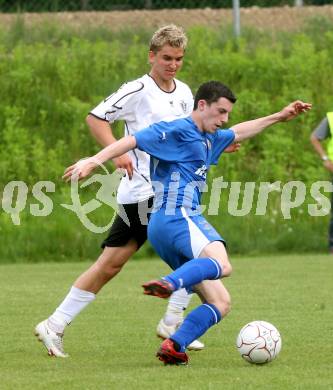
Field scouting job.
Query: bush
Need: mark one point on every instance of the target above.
(51, 77)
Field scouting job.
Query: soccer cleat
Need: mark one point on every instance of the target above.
(158, 288)
(169, 355)
(53, 341)
(165, 331)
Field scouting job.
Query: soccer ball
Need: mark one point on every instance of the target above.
(259, 342)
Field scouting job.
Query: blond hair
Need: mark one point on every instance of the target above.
(171, 35)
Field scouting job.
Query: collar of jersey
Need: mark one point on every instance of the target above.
(174, 83)
(202, 133)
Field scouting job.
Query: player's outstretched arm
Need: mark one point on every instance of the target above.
(103, 134)
(84, 167)
(249, 129)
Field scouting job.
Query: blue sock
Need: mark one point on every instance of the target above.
(194, 271)
(196, 324)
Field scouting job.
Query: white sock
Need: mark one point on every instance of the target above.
(178, 302)
(75, 301)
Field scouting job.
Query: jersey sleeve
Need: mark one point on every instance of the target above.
(121, 104)
(322, 131)
(160, 141)
(223, 138)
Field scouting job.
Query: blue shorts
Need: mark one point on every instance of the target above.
(181, 237)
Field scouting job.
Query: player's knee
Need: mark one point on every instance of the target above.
(223, 306)
(108, 266)
(224, 267)
(111, 269)
(227, 269)
(226, 308)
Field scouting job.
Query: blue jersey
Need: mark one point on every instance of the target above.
(180, 156)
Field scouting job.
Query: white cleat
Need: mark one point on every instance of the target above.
(196, 345)
(165, 331)
(53, 341)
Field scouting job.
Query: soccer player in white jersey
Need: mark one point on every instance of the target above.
(151, 98)
(183, 150)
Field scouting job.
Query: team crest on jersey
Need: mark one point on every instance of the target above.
(202, 171)
(183, 105)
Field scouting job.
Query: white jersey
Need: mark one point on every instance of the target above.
(141, 103)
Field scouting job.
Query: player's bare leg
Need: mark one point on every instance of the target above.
(216, 250)
(83, 292)
(107, 266)
(215, 293)
(216, 305)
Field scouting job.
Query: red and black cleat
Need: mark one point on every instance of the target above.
(168, 355)
(158, 288)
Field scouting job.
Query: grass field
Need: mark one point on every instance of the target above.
(112, 343)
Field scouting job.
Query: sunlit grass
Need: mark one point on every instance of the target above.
(112, 343)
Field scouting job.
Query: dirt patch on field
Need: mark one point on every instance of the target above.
(277, 18)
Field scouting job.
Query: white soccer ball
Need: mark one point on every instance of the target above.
(259, 342)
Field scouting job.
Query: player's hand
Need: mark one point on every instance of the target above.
(124, 162)
(328, 164)
(80, 169)
(294, 109)
(232, 148)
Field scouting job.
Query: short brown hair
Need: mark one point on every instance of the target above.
(171, 35)
(212, 91)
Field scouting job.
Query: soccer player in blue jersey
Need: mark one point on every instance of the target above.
(181, 152)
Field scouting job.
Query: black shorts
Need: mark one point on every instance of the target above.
(133, 225)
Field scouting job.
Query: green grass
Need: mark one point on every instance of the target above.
(112, 343)
(301, 233)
